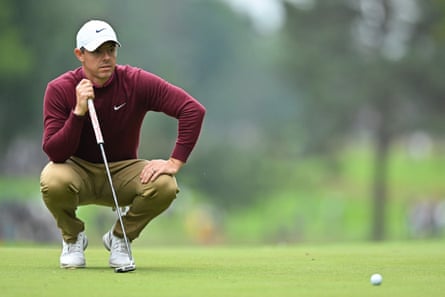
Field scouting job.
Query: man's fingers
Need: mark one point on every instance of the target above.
(85, 89)
(155, 168)
(154, 176)
(149, 174)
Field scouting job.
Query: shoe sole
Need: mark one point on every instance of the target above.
(69, 266)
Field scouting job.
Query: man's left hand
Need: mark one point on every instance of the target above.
(155, 168)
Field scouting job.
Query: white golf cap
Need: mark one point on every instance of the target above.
(93, 34)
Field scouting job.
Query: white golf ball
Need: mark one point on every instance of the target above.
(376, 279)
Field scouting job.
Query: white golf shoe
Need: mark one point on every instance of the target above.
(119, 255)
(73, 253)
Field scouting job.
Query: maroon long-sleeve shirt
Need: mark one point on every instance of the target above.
(121, 105)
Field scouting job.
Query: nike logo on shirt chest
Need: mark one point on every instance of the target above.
(117, 107)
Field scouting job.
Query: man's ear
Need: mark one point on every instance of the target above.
(79, 54)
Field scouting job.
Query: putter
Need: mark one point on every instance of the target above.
(100, 142)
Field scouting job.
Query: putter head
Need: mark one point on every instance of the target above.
(125, 268)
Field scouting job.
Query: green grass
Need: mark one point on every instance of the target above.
(408, 269)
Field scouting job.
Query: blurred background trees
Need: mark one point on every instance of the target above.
(324, 117)
(359, 65)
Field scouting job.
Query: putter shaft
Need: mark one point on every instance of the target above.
(100, 142)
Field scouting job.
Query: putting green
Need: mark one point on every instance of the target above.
(408, 269)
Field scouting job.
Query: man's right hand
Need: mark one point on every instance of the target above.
(84, 91)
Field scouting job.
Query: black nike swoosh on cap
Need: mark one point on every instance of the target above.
(100, 30)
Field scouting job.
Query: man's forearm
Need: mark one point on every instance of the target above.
(60, 144)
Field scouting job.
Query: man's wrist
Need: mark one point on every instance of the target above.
(78, 113)
(177, 163)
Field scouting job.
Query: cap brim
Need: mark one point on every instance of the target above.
(93, 45)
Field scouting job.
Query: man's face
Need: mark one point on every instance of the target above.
(99, 65)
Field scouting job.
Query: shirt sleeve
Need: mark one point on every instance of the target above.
(165, 97)
(61, 127)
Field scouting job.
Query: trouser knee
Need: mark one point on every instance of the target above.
(157, 195)
(163, 189)
(154, 199)
(58, 186)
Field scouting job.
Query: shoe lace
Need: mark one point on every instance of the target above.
(76, 246)
(118, 245)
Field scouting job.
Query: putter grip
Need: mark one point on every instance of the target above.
(95, 121)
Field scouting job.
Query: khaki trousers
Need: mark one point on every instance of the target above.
(65, 186)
